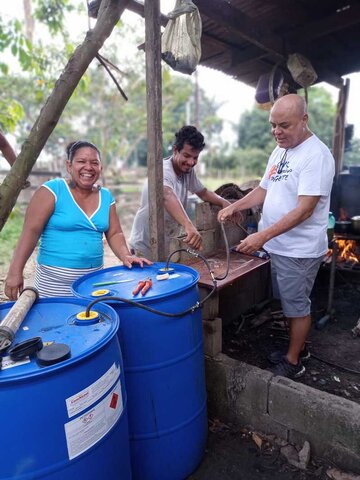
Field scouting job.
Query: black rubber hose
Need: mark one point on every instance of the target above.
(227, 248)
(153, 310)
(145, 307)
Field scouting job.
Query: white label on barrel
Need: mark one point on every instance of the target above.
(81, 400)
(7, 362)
(90, 427)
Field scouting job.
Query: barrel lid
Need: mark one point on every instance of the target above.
(52, 354)
(126, 280)
(55, 321)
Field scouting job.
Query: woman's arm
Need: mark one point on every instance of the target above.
(116, 240)
(37, 215)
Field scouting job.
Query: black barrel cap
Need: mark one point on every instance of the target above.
(26, 348)
(53, 353)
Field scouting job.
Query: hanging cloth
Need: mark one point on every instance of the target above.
(181, 40)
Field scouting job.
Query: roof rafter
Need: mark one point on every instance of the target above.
(223, 13)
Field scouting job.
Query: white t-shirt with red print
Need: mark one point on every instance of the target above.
(307, 169)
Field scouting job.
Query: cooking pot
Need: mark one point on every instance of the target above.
(355, 224)
(343, 226)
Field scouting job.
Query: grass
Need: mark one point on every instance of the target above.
(9, 236)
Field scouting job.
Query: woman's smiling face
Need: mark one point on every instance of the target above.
(85, 167)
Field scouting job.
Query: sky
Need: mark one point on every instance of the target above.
(233, 96)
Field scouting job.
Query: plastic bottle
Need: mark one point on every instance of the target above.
(331, 225)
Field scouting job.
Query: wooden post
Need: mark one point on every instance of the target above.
(339, 128)
(154, 128)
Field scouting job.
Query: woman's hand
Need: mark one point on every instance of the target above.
(14, 285)
(129, 260)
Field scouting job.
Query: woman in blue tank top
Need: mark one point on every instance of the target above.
(70, 218)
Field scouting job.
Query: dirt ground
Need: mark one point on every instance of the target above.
(334, 350)
(238, 454)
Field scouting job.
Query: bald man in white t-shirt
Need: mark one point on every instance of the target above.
(295, 194)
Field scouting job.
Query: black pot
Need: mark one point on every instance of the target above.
(342, 226)
(355, 224)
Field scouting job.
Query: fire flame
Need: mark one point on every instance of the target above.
(347, 251)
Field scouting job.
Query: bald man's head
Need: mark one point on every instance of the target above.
(293, 102)
(288, 118)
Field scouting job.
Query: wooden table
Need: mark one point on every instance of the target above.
(247, 284)
(240, 265)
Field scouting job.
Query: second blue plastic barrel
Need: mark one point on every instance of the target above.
(164, 368)
(67, 420)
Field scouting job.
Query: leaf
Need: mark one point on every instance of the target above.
(14, 49)
(24, 58)
(257, 439)
(4, 68)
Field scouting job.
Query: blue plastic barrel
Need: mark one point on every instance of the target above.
(164, 368)
(66, 420)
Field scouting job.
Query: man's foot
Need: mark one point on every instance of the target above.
(287, 369)
(277, 356)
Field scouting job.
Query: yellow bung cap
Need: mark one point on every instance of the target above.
(100, 293)
(92, 315)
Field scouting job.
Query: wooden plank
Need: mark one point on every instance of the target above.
(154, 127)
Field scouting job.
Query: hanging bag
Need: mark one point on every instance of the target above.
(301, 71)
(181, 40)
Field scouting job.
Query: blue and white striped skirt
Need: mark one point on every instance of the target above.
(57, 281)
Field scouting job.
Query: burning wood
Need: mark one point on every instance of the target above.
(347, 252)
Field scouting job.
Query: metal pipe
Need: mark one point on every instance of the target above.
(332, 277)
(15, 316)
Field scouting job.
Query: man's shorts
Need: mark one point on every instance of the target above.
(293, 280)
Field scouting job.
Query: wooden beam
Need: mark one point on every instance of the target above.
(138, 7)
(339, 133)
(154, 128)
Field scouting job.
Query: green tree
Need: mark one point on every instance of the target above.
(254, 129)
(352, 156)
(96, 110)
(256, 142)
(322, 110)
